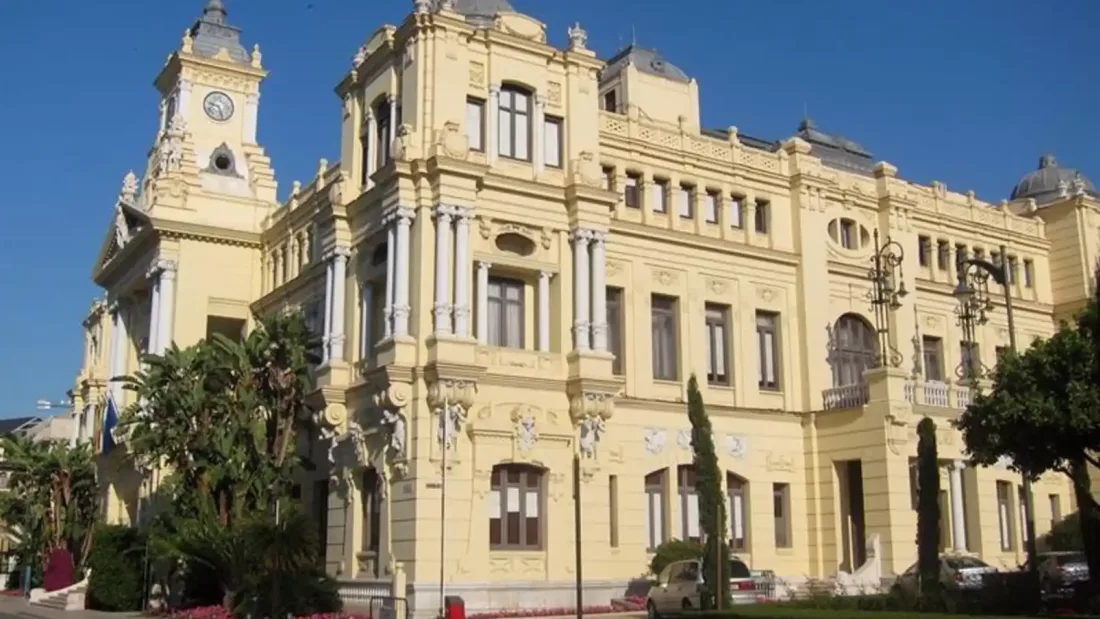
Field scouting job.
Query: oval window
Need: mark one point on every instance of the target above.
(511, 243)
(849, 233)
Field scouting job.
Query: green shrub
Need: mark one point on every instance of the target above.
(117, 561)
(1064, 535)
(672, 551)
(301, 593)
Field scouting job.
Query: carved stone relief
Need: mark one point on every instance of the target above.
(737, 446)
(655, 440)
(683, 439)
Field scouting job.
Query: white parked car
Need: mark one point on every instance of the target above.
(680, 584)
(957, 572)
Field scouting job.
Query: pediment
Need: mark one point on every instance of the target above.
(521, 26)
(380, 38)
(126, 223)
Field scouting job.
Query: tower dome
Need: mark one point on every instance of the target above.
(1051, 181)
(481, 12)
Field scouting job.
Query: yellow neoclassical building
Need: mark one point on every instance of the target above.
(523, 254)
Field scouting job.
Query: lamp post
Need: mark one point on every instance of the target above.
(972, 293)
(887, 291)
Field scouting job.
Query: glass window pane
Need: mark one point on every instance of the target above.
(473, 124)
(504, 133)
(520, 101)
(552, 138)
(523, 132)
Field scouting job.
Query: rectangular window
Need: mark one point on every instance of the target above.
(1021, 504)
(1004, 515)
(1001, 352)
(552, 141)
(767, 337)
(660, 195)
(717, 329)
(609, 178)
(630, 191)
(370, 503)
(1013, 267)
(686, 202)
(364, 145)
(737, 211)
(615, 330)
(781, 507)
(505, 307)
(961, 253)
(320, 506)
(515, 505)
(689, 503)
(609, 102)
(654, 510)
(1029, 273)
(763, 216)
(613, 504)
(475, 124)
(914, 494)
(848, 232)
(665, 346)
(710, 207)
(739, 514)
(382, 134)
(932, 348)
(943, 254)
(924, 250)
(514, 124)
(970, 359)
(1055, 510)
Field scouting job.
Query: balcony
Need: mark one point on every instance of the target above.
(927, 393)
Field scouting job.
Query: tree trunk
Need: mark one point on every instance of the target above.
(1089, 520)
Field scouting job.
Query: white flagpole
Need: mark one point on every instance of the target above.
(444, 419)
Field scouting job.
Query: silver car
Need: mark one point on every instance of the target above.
(957, 573)
(1060, 572)
(680, 584)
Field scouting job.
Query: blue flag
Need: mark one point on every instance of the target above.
(110, 421)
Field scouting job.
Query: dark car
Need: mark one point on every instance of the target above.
(1061, 572)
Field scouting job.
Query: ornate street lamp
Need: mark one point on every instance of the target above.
(887, 291)
(975, 303)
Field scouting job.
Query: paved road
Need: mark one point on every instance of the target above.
(18, 608)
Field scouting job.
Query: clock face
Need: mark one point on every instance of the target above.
(218, 106)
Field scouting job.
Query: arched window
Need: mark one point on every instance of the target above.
(689, 502)
(382, 131)
(370, 505)
(515, 507)
(514, 123)
(738, 491)
(853, 350)
(655, 508)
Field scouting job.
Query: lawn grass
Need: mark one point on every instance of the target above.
(785, 611)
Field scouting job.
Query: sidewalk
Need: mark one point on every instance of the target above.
(14, 607)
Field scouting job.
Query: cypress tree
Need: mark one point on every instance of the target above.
(928, 508)
(712, 506)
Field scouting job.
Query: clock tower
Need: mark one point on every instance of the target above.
(207, 165)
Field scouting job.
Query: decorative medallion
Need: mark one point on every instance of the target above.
(655, 440)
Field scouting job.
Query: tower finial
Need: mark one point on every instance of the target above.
(214, 12)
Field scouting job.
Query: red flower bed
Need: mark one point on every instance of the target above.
(617, 606)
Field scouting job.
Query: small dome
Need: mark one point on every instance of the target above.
(645, 60)
(1051, 181)
(482, 12)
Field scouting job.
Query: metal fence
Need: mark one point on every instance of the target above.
(386, 607)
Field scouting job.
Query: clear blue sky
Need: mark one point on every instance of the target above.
(966, 92)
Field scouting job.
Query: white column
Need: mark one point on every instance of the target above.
(581, 286)
(538, 156)
(462, 272)
(167, 304)
(326, 339)
(544, 311)
(599, 291)
(401, 307)
(492, 147)
(366, 303)
(392, 101)
(251, 117)
(183, 107)
(958, 515)
(121, 353)
(154, 311)
(391, 252)
(372, 146)
(443, 232)
(339, 299)
(483, 301)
